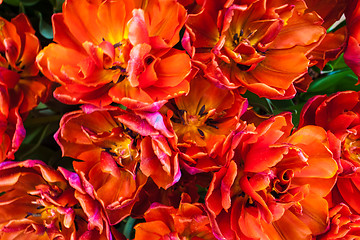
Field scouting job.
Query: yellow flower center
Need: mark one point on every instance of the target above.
(351, 148)
(193, 127)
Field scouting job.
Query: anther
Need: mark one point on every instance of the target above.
(241, 32)
(116, 45)
(201, 132)
(202, 110)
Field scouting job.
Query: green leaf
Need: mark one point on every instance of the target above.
(328, 68)
(31, 134)
(339, 63)
(335, 65)
(26, 3)
(36, 121)
(260, 105)
(282, 104)
(122, 107)
(34, 144)
(37, 145)
(58, 6)
(45, 28)
(295, 110)
(340, 80)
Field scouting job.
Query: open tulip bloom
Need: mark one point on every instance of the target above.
(179, 119)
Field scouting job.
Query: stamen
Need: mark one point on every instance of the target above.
(250, 34)
(241, 32)
(210, 121)
(236, 39)
(115, 67)
(33, 214)
(116, 45)
(121, 78)
(202, 110)
(213, 126)
(181, 115)
(201, 132)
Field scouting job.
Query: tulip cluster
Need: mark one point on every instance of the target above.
(181, 119)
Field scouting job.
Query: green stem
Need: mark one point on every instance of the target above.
(129, 226)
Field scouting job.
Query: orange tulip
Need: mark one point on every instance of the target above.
(329, 10)
(118, 147)
(113, 51)
(334, 42)
(11, 126)
(275, 183)
(41, 203)
(202, 120)
(339, 115)
(189, 221)
(343, 224)
(193, 6)
(151, 193)
(262, 46)
(21, 87)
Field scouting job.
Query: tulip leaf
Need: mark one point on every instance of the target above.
(339, 63)
(23, 2)
(31, 134)
(282, 104)
(45, 28)
(260, 104)
(57, 5)
(39, 143)
(335, 65)
(340, 80)
(328, 68)
(295, 110)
